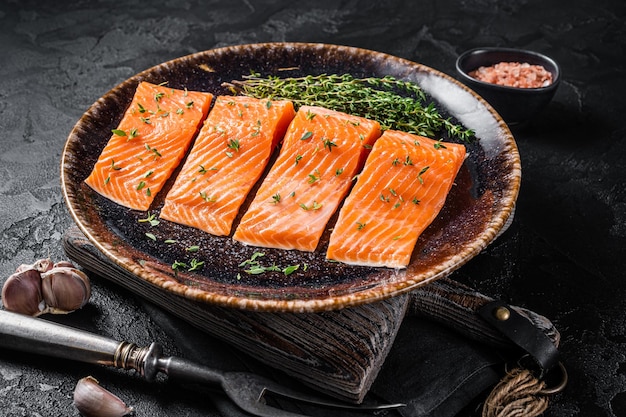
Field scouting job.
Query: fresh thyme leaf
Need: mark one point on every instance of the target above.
(178, 265)
(314, 206)
(207, 198)
(133, 133)
(395, 104)
(329, 144)
(234, 144)
(195, 265)
(152, 219)
(290, 269)
(153, 150)
(254, 267)
(313, 178)
(419, 176)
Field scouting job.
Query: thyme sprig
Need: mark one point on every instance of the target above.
(256, 268)
(395, 104)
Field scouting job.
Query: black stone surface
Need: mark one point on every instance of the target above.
(564, 255)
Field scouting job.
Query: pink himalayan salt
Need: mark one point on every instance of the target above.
(514, 74)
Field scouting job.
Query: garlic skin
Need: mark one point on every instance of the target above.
(41, 265)
(65, 289)
(22, 293)
(62, 263)
(92, 400)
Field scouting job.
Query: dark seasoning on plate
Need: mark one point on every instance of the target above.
(469, 221)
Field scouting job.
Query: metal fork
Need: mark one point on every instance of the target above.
(247, 390)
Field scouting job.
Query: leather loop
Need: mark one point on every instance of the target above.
(536, 345)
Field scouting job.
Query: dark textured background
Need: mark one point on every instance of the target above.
(564, 256)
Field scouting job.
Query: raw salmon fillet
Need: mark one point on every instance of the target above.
(400, 191)
(227, 159)
(150, 141)
(321, 152)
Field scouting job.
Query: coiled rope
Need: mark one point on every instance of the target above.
(518, 394)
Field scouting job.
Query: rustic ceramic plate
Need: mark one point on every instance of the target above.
(476, 211)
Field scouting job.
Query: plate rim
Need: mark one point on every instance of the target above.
(152, 274)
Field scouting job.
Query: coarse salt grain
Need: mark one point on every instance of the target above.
(514, 74)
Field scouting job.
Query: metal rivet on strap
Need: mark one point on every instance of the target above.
(502, 313)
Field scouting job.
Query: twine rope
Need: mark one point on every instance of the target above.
(518, 394)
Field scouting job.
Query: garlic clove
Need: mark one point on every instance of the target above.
(65, 289)
(41, 265)
(22, 293)
(63, 264)
(92, 400)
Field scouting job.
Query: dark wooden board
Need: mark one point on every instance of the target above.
(338, 352)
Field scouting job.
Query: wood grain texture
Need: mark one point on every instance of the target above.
(337, 352)
(454, 305)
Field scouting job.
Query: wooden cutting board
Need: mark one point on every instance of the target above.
(337, 352)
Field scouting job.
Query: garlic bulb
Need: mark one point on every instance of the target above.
(46, 287)
(65, 289)
(94, 401)
(21, 293)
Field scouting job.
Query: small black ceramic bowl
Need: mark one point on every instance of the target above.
(516, 105)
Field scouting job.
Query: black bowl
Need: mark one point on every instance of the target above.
(515, 105)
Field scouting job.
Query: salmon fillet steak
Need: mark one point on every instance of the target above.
(152, 138)
(402, 188)
(321, 153)
(402, 179)
(227, 159)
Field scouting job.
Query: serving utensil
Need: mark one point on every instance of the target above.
(247, 390)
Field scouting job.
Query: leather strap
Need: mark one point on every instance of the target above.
(523, 334)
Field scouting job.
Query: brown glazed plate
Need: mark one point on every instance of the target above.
(477, 210)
